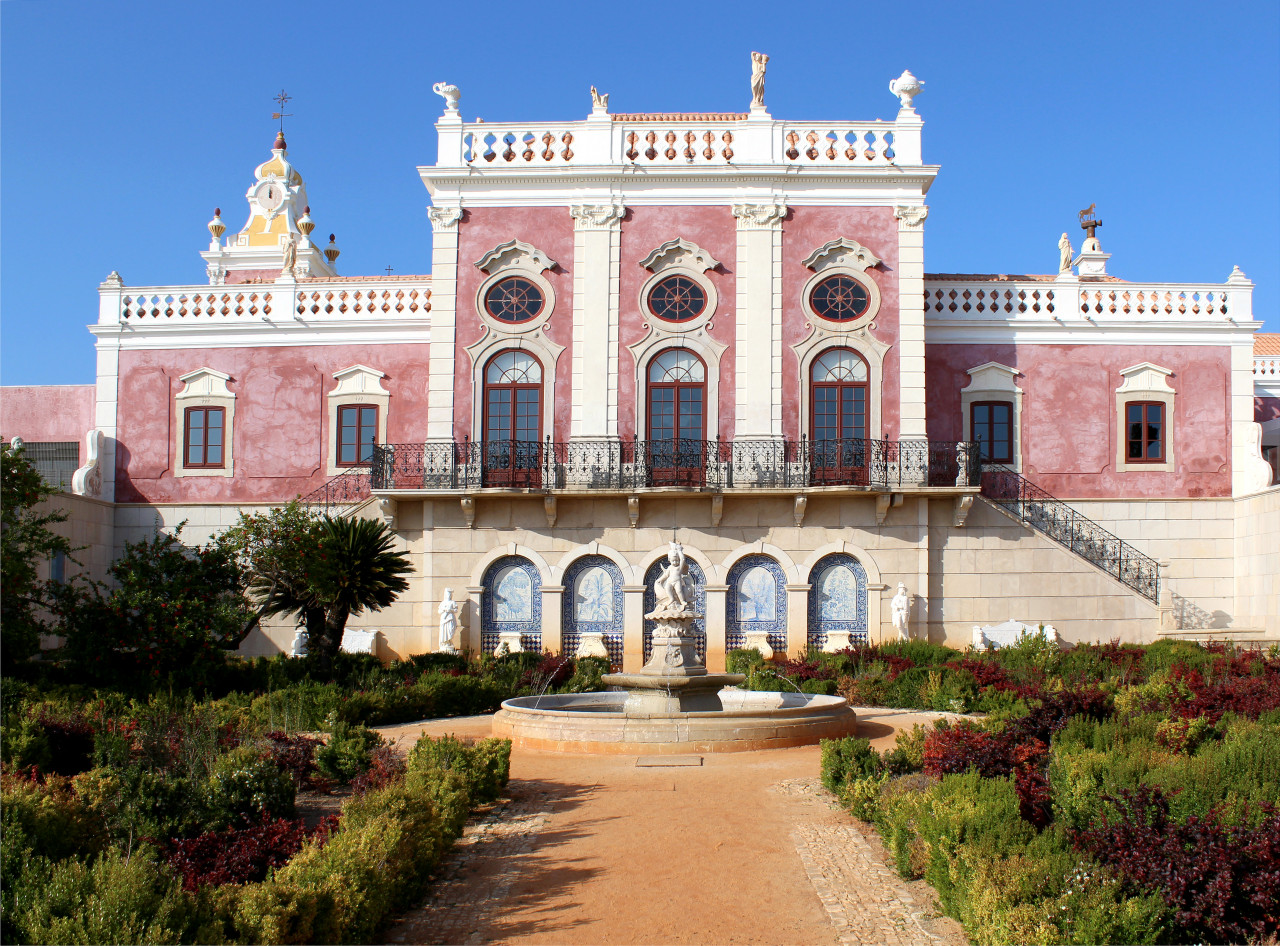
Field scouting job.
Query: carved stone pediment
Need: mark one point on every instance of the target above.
(205, 382)
(682, 254)
(1145, 377)
(515, 254)
(845, 253)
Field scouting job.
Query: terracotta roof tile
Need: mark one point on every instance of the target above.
(1011, 277)
(1266, 344)
(679, 117)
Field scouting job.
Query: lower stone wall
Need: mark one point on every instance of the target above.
(1195, 536)
(996, 569)
(89, 527)
(1257, 561)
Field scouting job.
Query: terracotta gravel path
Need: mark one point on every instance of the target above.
(746, 847)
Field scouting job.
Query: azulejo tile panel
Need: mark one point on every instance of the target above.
(757, 602)
(837, 599)
(592, 603)
(512, 601)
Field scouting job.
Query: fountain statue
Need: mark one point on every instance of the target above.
(675, 680)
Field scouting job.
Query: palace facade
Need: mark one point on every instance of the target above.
(709, 328)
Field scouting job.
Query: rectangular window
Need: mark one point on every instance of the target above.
(357, 433)
(991, 423)
(202, 441)
(1144, 432)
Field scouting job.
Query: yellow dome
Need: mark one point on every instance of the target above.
(278, 165)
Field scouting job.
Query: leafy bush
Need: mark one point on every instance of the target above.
(743, 660)
(587, 675)
(348, 751)
(850, 757)
(245, 787)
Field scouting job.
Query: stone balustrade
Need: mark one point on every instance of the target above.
(1071, 299)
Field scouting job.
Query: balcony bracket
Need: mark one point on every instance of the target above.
(717, 509)
(633, 509)
(885, 501)
(963, 505)
(797, 510)
(549, 507)
(387, 511)
(469, 510)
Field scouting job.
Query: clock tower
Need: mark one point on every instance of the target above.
(275, 242)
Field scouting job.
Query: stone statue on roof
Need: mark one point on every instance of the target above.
(1065, 253)
(599, 100)
(758, 62)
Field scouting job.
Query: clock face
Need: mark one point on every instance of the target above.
(270, 195)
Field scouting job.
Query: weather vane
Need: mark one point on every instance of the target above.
(1089, 221)
(280, 100)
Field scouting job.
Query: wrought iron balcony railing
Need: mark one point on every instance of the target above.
(617, 464)
(1055, 519)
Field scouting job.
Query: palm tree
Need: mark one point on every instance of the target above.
(342, 567)
(354, 567)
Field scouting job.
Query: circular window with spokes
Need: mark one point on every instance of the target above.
(677, 299)
(840, 298)
(514, 300)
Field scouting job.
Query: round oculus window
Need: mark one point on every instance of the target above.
(514, 299)
(677, 299)
(840, 298)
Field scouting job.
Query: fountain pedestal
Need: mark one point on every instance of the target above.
(675, 680)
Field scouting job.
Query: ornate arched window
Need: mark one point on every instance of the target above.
(677, 393)
(512, 419)
(839, 415)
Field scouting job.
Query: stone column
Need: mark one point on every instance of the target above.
(469, 620)
(632, 628)
(552, 601)
(110, 298)
(797, 620)
(717, 605)
(444, 307)
(758, 353)
(597, 261)
(911, 318)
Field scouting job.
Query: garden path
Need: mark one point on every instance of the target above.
(745, 848)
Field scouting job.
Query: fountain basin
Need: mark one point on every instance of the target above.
(599, 723)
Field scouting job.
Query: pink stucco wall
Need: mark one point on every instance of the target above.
(1069, 426)
(47, 413)
(281, 424)
(643, 230)
(805, 230)
(550, 229)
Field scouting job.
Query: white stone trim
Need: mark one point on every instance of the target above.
(205, 387)
(842, 257)
(656, 341)
(358, 384)
(994, 382)
(502, 551)
(761, 547)
(679, 257)
(594, 548)
(758, 319)
(445, 219)
(819, 340)
(912, 408)
(515, 258)
(1145, 382)
(597, 266)
(491, 343)
(843, 547)
(1249, 471)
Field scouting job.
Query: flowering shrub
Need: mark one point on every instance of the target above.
(245, 786)
(296, 756)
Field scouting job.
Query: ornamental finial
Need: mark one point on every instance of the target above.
(906, 87)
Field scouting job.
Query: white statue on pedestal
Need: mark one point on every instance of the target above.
(673, 590)
(901, 606)
(299, 646)
(290, 257)
(1065, 254)
(448, 612)
(758, 63)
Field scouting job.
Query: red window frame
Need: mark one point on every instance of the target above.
(844, 459)
(999, 451)
(1143, 424)
(513, 460)
(196, 419)
(359, 428)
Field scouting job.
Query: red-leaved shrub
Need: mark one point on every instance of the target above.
(242, 855)
(385, 766)
(296, 755)
(1223, 882)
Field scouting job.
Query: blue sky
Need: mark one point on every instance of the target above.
(124, 124)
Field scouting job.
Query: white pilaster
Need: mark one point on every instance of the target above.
(758, 353)
(1249, 472)
(444, 311)
(107, 395)
(597, 265)
(911, 318)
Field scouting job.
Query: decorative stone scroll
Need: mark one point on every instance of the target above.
(360, 642)
(87, 480)
(995, 636)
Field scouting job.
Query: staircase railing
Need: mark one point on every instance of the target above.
(343, 491)
(1052, 517)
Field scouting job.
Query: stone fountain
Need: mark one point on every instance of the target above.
(675, 679)
(672, 704)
